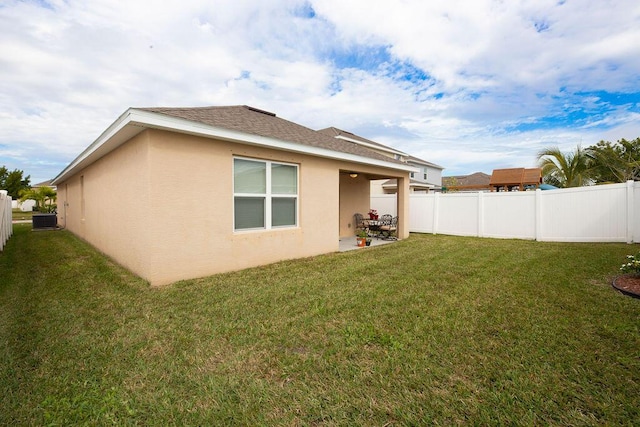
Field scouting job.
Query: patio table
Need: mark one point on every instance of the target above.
(374, 227)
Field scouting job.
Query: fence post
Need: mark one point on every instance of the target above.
(480, 214)
(6, 227)
(538, 214)
(630, 211)
(436, 209)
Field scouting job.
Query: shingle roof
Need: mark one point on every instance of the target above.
(251, 120)
(477, 179)
(335, 132)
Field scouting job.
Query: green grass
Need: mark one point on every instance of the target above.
(22, 216)
(432, 330)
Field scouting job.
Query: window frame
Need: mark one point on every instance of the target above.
(268, 196)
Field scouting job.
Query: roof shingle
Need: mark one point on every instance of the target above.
(251, 120)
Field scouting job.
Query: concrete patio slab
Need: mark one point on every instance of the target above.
(349, 243)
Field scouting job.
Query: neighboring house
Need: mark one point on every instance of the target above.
(500, 179)
(478, 181)
(427, 177)
(179, 193)
(44, 184)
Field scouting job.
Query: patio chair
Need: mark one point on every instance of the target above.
(388, 230)
(360, 222)
(385, 220)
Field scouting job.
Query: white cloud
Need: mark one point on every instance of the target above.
(500, 79)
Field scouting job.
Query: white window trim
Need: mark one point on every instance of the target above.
(268, 196)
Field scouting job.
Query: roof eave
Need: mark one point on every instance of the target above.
(134, 121)
(375, 146)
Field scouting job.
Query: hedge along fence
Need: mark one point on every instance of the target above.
(6, 227)
(601, 213)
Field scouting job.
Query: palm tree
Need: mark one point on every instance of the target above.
(45, 198)
(565, 170)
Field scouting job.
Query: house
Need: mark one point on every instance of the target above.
(478, 181)
(427, 177)
(44, 184)
(179, 193)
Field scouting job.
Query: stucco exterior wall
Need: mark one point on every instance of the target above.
(354, 198)
(105, 204)
(162, 206)
(193, 188)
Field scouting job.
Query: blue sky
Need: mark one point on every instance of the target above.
(471, 85)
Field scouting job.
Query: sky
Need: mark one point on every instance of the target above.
(471, 85)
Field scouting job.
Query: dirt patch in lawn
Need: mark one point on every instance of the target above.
(629, 285)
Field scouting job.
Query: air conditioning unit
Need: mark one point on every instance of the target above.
(44, 221)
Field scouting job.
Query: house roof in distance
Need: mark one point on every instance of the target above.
(241, 124)
(474, 179)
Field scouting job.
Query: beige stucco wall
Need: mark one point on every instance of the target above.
(354, 198)
(116, 197)
(162, 206)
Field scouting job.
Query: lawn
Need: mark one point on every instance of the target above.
(18, 215)
(431, 330)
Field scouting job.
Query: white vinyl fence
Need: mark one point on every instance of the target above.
(6, 228)
(602, 213)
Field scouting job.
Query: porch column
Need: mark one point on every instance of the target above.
(403, 207)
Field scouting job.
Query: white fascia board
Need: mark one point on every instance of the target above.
(134, 121)
(115, 135)
(373, 146)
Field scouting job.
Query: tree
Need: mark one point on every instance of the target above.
(13, 181)
(566, 170)
(619, 162)
(45, 198)
(448, 183)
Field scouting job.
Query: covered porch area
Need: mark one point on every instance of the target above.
(355, 197)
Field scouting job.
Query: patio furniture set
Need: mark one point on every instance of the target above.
(383, 227)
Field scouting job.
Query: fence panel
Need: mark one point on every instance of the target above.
(602, 213)
(384, 204)
(6, 227)
(421, 209)
(634, 208)
(508, 215)
(457, 214)
(585, 214)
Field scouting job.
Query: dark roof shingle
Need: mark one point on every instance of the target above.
(251, 120)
